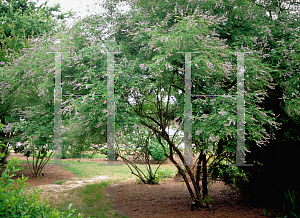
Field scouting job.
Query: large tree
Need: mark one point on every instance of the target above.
(21, 23)
(27, 95)
(22, 20)
(150, 70)
(271, 27)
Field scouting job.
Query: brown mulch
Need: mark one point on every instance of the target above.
(51, 173)
(168, 199)
(172, 199)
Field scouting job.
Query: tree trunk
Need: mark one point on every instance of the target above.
(197, 198)
(4, 150)
(204, 178)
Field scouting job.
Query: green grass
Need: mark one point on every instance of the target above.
(91, 200)
(59, 182)
(90, 156)
(99, 156)
(91, 169)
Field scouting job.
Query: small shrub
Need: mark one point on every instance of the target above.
(164, 174)
(159, 176)
(16, 202)
(231, 175)
(157, 152)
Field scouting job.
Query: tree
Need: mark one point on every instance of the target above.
(151, 45)
(272, 28)
(31, 100)
(23, 20)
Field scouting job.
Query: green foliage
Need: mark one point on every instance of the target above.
(250, 25)
(21, 21)
(164, 173)
(157, 152)
(159, 176)
(35, 67)
(2, 154)
(207, 199)
(291, 207)
(16, 202)
(231, 175)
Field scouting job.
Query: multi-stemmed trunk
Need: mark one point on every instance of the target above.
(39, 162)
(198, 200)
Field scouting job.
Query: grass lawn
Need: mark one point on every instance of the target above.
(90, 200)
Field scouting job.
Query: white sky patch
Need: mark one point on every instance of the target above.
(82, 7)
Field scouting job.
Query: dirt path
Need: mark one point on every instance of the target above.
(71, 184)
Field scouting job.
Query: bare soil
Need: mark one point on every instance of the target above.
(168, 199)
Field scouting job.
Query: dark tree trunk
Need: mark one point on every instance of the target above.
(198, 171)
(3, 160)
(204, 178)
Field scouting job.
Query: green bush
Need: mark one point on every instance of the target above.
(230, 175)
(164, 173)
(16, 202)
(157, 151)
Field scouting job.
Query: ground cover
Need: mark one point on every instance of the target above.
(121, 195)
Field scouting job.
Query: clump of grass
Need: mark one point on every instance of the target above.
(59, 182)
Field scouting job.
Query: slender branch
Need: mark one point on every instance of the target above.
(151, 119)
(265, 7)
(165, 121)
(45, 161)
(136, 168)
(29, 166)
(166, 137)
(160, 164)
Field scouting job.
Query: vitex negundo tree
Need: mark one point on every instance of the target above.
(151, 66)
(273, 28)
(138, 144)
(84, 83)
(21, 21)
(153, 60)
(28, 87)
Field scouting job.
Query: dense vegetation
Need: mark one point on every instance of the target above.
(150, 70)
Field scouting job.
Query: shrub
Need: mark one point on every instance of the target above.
(164, 173)
(231, 175)
(16, 202)
(157, 151)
